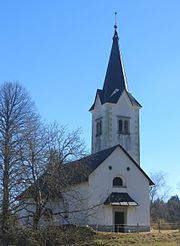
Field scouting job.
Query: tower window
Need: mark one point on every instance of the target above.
(98, 128)
(124, 126)
(117, 182)
(120, 126)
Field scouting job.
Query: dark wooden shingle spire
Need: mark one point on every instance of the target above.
(115, 79)
(114, 83)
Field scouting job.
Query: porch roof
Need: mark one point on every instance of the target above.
(120, 199)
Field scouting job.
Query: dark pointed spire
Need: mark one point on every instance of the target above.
(115, 81)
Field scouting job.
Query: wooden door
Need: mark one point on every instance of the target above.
(119, 221)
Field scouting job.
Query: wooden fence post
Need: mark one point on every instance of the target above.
(96, 227)
(137, 227)
(159, 226)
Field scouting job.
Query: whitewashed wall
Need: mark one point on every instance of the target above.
(77, 197)
(137, 186)
(110, 137)
(74, 204)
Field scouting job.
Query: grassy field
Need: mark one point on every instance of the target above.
(83, 236)
(142, 239)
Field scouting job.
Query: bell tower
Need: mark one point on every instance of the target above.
(115, 112)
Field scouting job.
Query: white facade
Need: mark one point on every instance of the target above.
(135, 184)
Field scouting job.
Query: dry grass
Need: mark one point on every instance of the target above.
(77, 236)
(142, 239)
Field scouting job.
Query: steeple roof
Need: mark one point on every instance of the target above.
(115, 79)
(115, 82)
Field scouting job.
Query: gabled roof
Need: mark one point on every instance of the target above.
(115, 79)
(91, 162)
(44, 184)
(77, 172)
(99, 93)
(87, 164)
(71, 173)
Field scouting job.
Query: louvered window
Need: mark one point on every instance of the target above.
(98, 127)
(123, 126)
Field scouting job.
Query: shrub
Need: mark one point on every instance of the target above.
(53, 236)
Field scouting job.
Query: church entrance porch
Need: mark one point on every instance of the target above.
(120, 203)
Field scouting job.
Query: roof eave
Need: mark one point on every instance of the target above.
(97, 94)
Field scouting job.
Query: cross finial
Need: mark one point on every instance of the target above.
(115, 25)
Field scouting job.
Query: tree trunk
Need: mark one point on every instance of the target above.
(5, 202)
(36, 218)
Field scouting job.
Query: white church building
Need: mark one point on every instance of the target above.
(114, 193)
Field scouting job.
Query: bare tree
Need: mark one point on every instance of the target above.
(161, 189)
(158, 194)
(33, 160)
(45, 172)
(17, 111)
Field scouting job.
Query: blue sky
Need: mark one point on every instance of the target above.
(59, 51)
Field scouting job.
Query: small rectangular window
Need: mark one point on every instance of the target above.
(120, 126)
(98, 128)
(124, 126)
